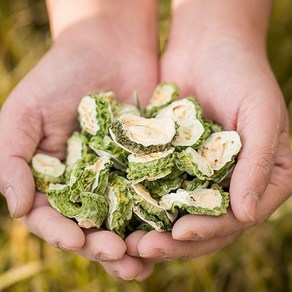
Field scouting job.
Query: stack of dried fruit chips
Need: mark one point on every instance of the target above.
(128, 169)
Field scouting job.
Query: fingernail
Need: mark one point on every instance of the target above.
(196, 236)
(104, 257)
(66, 247)
(157, 253)
(11, 199)
(190, 236)
(128, 279)
(250, 203)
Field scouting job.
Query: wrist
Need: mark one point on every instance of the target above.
(86, 19)
(245, 21)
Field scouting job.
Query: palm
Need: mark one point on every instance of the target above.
(45, 119)
(236, 89)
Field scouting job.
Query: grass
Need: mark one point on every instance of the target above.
(261, 260)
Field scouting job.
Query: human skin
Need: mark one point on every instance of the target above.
(216, 52)
(223, 63)
(95, 47)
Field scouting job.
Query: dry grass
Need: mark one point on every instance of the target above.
(261, 260)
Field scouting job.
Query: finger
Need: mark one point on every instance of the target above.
(253, 170)
(50, 225)
(280, 187)
(132, 242)
(161, 245)
(201, 228)
(146, 272)
(102, 245)
(20, 133)
(127, 268)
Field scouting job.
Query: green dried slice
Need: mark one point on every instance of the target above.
(180, 110)
(109, 96)
(119, 199)
(194, 164)
(59, 198)
(107, 147)
(190, 133)
(46, 169)
(195, 184)
(74, 174)
(220, 175)
(95, 114)
(151, 166)
(163, 186)
(100, 169)
(91, 211)
(137, 103)
(148, 210)
(77, 147)
(214, 127)
(145, 226)
(212, 201)
(163, 95)
(89, 177)
(143, 136)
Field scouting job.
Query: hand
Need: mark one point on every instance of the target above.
(227, 70)
(40, 114)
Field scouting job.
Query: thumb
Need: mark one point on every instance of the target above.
(20, 133)
(259, 128)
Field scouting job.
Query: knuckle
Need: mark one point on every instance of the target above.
(265, 166)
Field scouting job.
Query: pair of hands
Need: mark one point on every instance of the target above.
(229, 75)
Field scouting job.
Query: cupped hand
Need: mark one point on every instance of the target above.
(40, 114)
(230, 76)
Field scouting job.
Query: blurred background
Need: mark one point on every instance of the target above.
(261, 260)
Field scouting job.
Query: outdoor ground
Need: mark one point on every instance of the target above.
(261, 260)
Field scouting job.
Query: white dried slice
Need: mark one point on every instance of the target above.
(193, 163)
(188, 133)
(112, 200)
(46, 169)
(126, 110)
(179, 110)
(48, 165)
(119, 199)
(95, 114)
(163, 95)
(144, 158)
(221, 148)
(103, 163)
(204, 198)
(117, 163)
(87, 111)
(213, 201)
(141, 135)
(76, 148)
